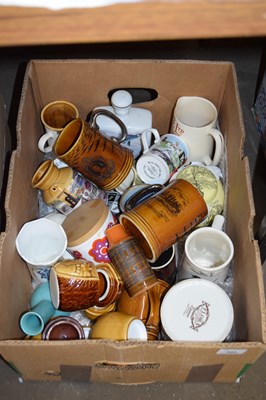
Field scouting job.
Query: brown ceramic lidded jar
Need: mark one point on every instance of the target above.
(63, 328)
(85, 229)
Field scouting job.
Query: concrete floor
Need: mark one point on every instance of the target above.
(246, 55)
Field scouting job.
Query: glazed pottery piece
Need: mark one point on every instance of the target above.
(160, 221)
(129, 260)
(85, 229)
(55, 116)
(116, 325)
(210, 187)
(160, 161)
(208, 253)
(112, 284)
(63, 328)
(101, 160)
(165, 267)
(63, 188)
(145, 306)
(195, 120)
(196, 310)
(74, 285)
(95, 312)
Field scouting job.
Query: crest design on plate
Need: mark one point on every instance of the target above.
(200, 316)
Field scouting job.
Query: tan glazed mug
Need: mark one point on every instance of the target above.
(116, 325)
(55, 116)
(103, 161)
(75, 285)
(161, 220)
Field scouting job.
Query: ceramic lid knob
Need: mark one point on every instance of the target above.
(121, 102)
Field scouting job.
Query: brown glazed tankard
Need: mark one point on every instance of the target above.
(74, 285)
(103, 161)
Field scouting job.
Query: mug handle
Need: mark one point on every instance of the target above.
(145, 141)
(219, 145)
(101, 111)
(47, 141)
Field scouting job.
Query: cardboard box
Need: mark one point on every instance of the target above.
(86, 83)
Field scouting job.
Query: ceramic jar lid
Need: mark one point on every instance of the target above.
(197, 310)
(85, 221)
(63, 328)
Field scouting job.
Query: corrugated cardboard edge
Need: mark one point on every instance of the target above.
(108, 361)
(244, 159)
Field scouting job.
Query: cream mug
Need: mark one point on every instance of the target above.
(208, 253)
(194, 120)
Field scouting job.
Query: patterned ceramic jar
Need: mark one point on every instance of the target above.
(85, 229)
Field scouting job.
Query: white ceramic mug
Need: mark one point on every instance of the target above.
(194, 120)
(41, 243)
(55, 116)
(160, 161)
(208, 253)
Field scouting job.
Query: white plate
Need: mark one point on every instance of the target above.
(197, 310)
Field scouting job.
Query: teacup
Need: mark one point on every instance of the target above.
(116, 325)
(162, 159)
(55, 116)
(113, 284)
(75, 285)
(208, 253)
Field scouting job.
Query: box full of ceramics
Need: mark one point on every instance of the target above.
(127, 178)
